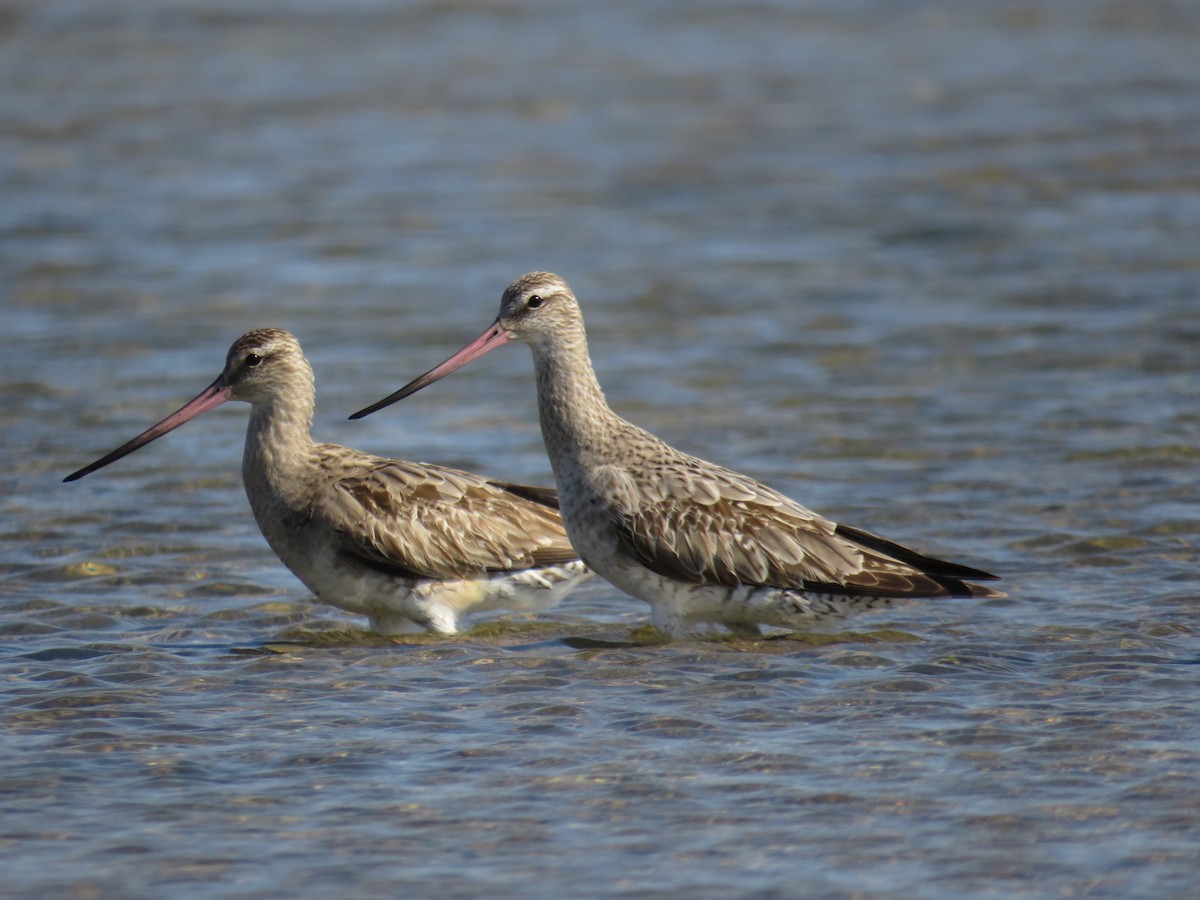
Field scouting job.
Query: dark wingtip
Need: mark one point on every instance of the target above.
(927, 564)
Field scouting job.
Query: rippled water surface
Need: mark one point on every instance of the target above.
(930, 268)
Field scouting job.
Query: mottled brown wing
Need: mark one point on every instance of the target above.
(697, 522)
(436, 522)
(708, 525)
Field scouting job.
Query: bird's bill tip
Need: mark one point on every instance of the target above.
(212, 396)
(496, 335)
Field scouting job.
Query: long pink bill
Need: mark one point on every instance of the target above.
(495, 336)
(212, 396)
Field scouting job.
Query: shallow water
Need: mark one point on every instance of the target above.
(930, 269)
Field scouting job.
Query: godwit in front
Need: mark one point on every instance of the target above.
(696, 541)
(408, 545)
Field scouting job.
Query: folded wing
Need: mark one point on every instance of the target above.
(709, 525)
(434, 522)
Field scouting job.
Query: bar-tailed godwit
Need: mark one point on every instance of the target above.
(696, 541)
(409, 545)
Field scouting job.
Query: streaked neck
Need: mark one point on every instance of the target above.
(279, 448)
(575, 417)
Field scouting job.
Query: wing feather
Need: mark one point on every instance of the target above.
(437, 522)
(696, 522)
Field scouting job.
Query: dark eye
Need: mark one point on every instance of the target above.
(252, 359)
(534, 302)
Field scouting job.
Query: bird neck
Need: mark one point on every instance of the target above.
(574, 415)
(279, 448)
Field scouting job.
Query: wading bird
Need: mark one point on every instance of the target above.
(698, 542)
(411, 546)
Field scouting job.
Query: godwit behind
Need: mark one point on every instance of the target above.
(696, 541)
(409, 545)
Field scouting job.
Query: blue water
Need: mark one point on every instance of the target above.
(930, 269)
